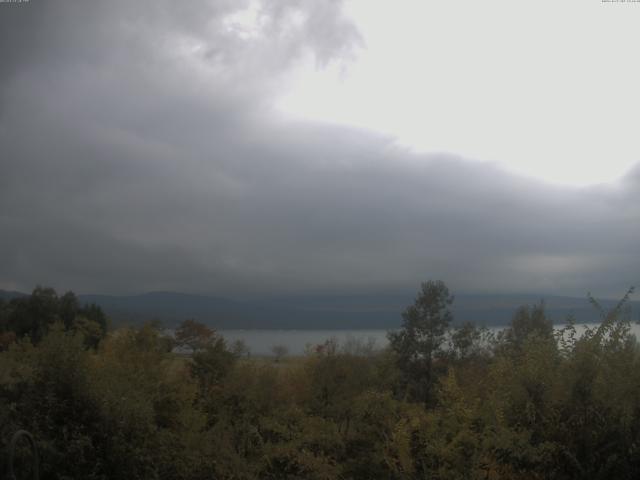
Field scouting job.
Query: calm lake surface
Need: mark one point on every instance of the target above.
(261, 341)
(296, 341)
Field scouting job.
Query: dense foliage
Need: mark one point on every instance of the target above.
(440, 402)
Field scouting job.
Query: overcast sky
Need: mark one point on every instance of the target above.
(240, 148)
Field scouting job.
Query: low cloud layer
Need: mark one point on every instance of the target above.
(139, 151)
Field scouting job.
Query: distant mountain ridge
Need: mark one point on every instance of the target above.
(325, 311)
(8, 294)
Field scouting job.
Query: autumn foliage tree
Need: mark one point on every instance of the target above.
(194, 335)
(532, 403)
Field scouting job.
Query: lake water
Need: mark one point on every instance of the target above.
(296, 341)
(260, 342)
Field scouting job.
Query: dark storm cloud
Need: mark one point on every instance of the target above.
(139, 152)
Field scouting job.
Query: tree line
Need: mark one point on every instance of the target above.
(441, 402)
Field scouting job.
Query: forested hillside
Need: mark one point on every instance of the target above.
(441, 402)
(363, 311)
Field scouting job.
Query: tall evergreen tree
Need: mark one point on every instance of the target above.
(419, 342)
